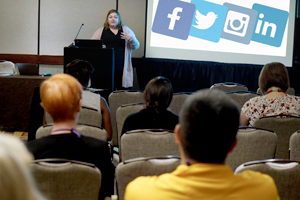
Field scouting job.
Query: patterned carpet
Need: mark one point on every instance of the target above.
(19, 134)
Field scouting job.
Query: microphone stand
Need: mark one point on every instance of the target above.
(72, 45)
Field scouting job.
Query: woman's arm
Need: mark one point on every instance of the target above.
(243, 119)
(106, 120)
(97, 34)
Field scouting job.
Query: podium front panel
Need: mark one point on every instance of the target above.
(101, 59)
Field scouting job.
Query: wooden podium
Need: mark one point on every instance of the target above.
(103, 62)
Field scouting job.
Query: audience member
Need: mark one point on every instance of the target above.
(158, 95)
(273, 82)
(16, 181)
(61, 98)
(206, 133)
(82, 71)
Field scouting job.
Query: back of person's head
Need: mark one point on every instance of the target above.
(60, 96)
(16, 181)
(274, 74)
(158, 93)
(209, 122)
(81, 70)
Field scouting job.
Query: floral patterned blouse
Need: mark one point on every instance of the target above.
(262, 106)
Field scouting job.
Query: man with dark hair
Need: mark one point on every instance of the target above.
(82, 71)
(206, 133)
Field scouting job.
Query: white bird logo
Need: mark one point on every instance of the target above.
(205, 22)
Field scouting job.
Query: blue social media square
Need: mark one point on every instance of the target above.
(173, 18)
(270, 25)
(239, 23)
(208, 20)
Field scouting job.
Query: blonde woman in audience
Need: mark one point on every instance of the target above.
(273, 82)
(16, 181)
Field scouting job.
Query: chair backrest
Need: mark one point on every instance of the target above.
(177, 101)
(62, 179)
(123, 112)
(117, 99)
(284, 128)
(131, 169)
(286, 174)
(7, 67)
(241, 97)
(85, 130)
(295, 146)
(290, 91)
(252, 144)
(87, 116)
(228, 86)
(28, 69)
(147, 143)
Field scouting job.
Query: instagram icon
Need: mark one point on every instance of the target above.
(239, 24)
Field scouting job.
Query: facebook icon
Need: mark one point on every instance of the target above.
(173, 18)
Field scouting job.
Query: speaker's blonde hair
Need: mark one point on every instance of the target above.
(120, 23)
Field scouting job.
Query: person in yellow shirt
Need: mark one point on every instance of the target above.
(206, 133)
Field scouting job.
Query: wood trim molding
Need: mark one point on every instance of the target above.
(52, 60)
(34, 59)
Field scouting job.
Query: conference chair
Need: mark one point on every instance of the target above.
(290, 91)
(115, 100)
(284, 127)
(242, 96)
(123, 112)
(88, 116)
(286, 174)
(85, 130)
(295, 146)
(228, 86)
(121, 115)
(150, 166)
(63, 179)
(252, 144)
(147, 143)
(177, 101)
(8, 68)
(28, 69)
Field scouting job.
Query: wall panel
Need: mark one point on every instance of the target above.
(18, 26)
(133, 15)
(61, 19)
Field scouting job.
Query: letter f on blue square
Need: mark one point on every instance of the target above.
(173, 18)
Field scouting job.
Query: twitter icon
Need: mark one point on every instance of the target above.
(205, 21)
(208, 20)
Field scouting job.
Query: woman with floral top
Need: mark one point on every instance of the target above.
(273, 82)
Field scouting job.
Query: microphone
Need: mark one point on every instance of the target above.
(72, 45)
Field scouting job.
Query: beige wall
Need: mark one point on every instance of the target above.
(18, 26)
(59, 23)
(133, 15)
